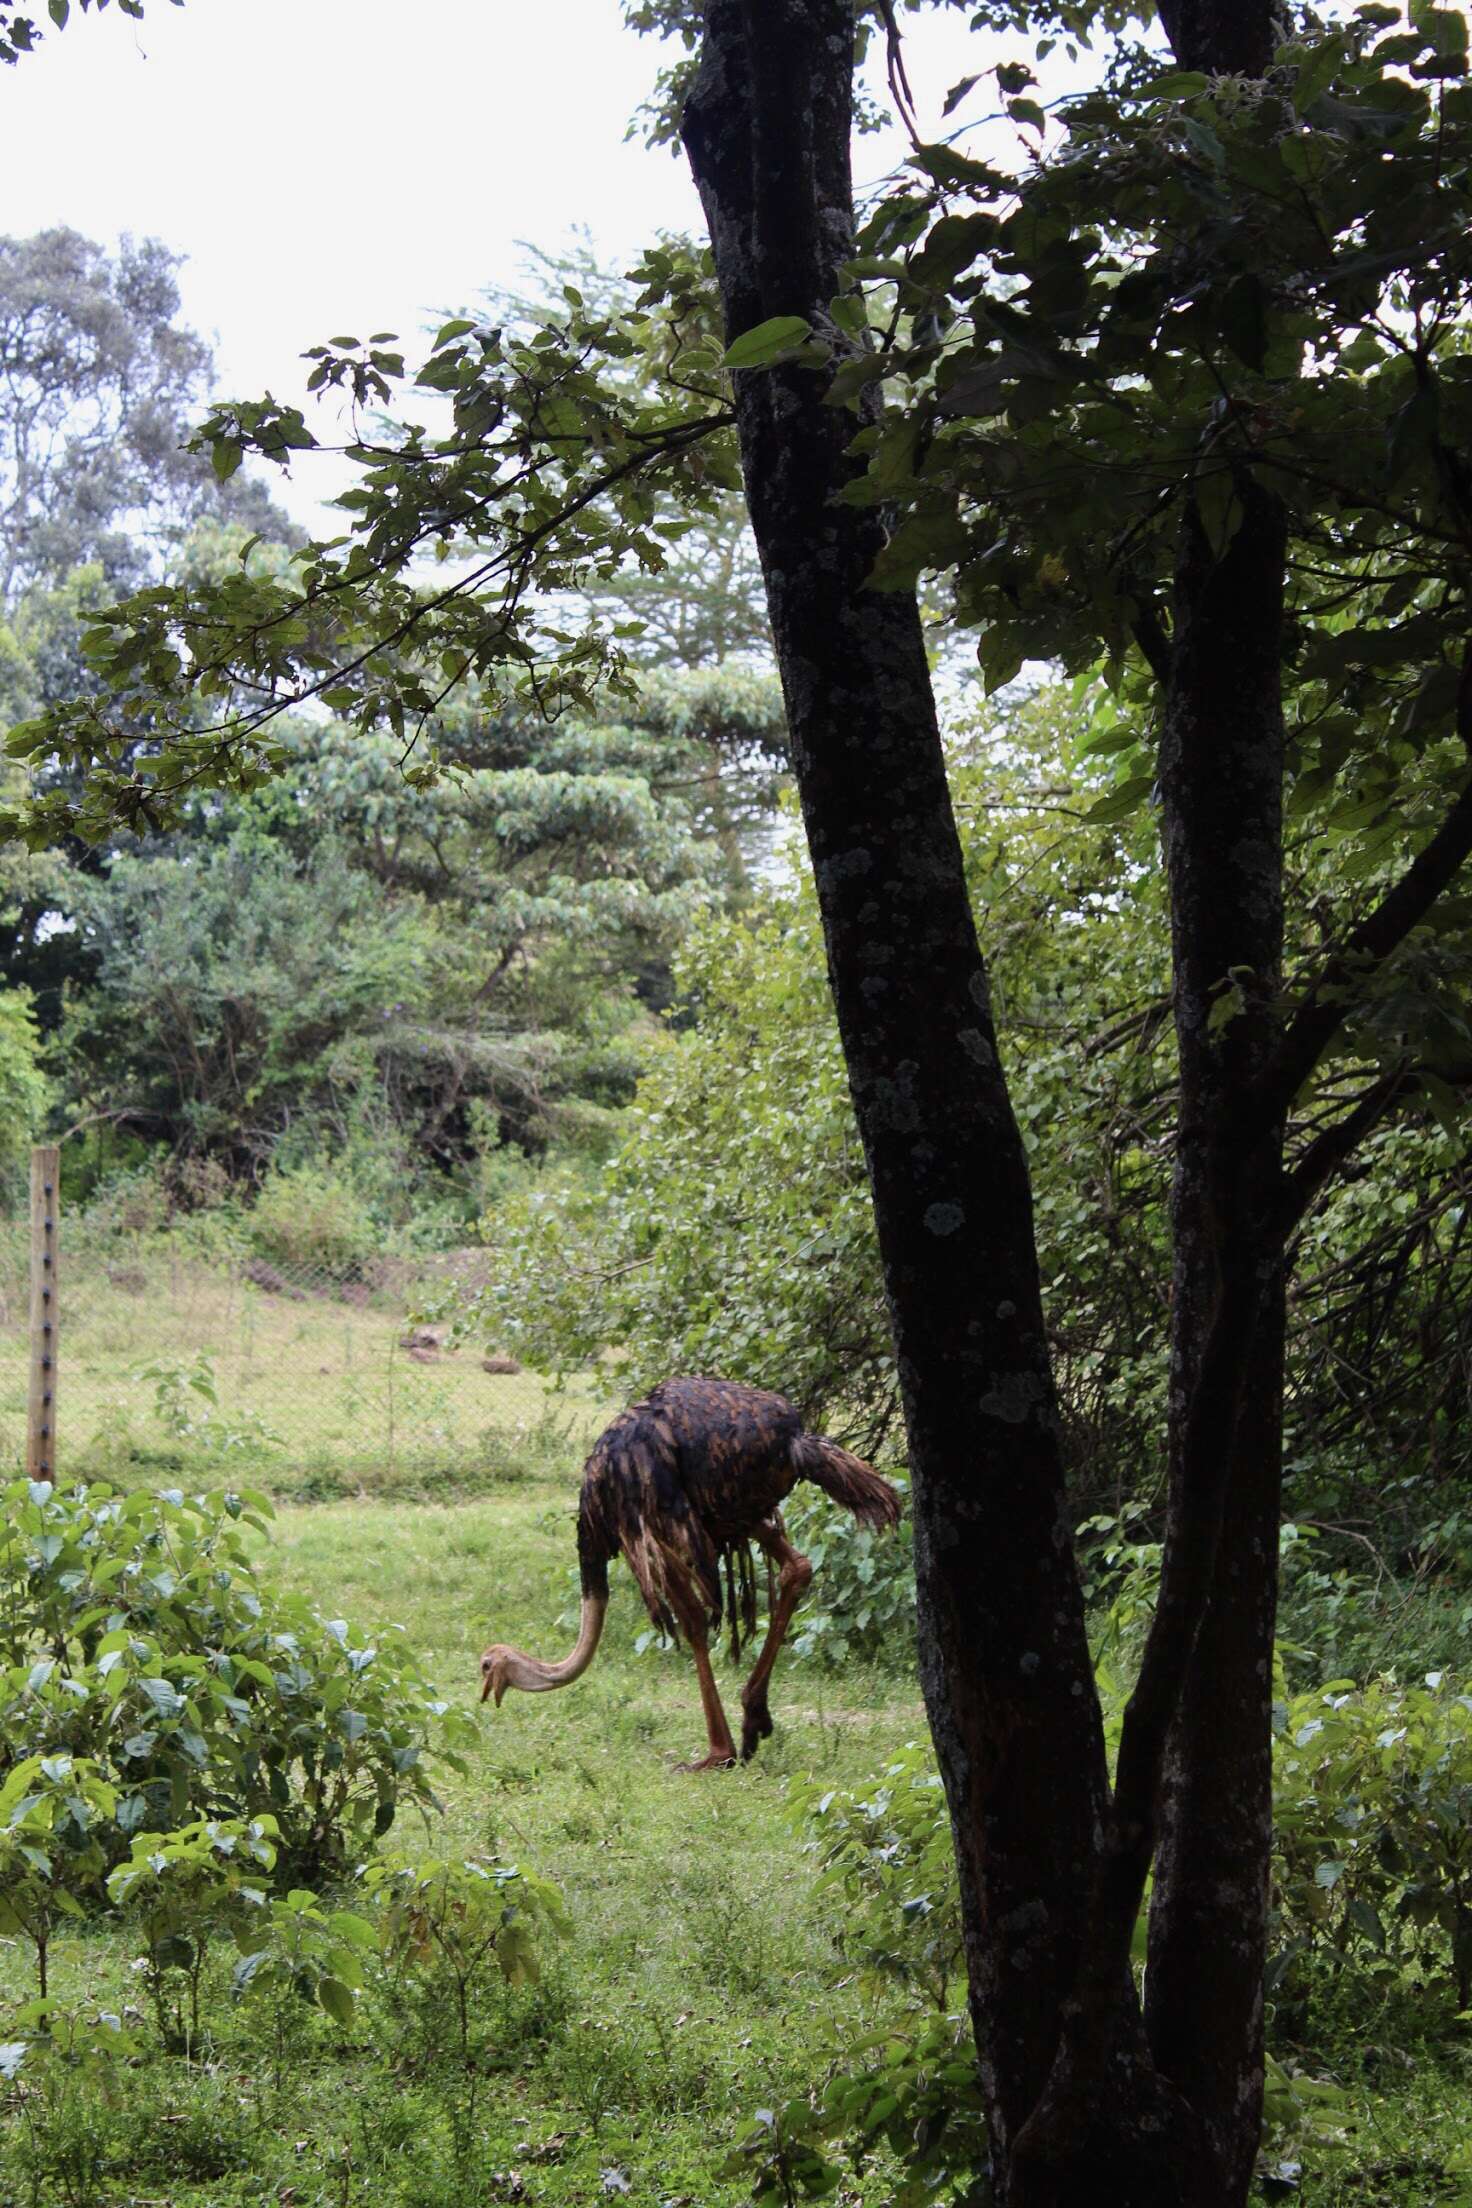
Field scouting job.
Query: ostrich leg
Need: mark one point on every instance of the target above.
(722, 1747)
(794, 1574)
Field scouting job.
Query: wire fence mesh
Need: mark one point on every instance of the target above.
(217, 1364)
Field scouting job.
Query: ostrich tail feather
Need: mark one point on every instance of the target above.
(848, 1480)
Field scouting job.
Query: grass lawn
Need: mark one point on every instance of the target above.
(314, 1390)
(701, 1977)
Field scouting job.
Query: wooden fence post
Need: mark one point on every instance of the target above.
(45, 1313)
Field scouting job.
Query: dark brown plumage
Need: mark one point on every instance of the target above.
(683, 1485)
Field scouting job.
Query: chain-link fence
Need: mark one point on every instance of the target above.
(195, 1364)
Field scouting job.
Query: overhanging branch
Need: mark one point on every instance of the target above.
(1320, 1016)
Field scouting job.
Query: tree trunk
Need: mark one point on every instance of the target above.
(1221, 781)
(1051, 1873)
(1004, 1659)
(1208, 1917)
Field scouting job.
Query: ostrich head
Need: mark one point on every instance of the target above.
(495, 1673)
(502, 1667)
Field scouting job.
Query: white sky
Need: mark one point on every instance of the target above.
(334, 167)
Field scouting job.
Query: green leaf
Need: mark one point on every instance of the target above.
(1218, 508)
(1413, 430)
(1317, 73)
(336, 1999)
(1118, 804)
(1243, 321)
(921, 541)
(1205, 141)
(1176, 84)
(1366, 1922)
(768, 343)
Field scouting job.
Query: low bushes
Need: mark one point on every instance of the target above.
(207, 1767)
(421, 1937)
(862, 1600)
(137, 1641)
(1373, 1862)
(311, 1218)
(1372, 1899)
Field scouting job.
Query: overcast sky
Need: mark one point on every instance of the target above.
(332, 167)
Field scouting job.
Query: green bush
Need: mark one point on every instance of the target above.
(1372, 1892)
(1373, 1858)
(886, 1849)
(453, 1920)
(24, 1089)
(313, 1219)
(54, 1812)
(69, 2095)
(182, 1889)
(186, 1403)
(451, 1927)
(134, 1631)
(862, 1601)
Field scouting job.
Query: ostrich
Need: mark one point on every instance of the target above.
(683, 1483)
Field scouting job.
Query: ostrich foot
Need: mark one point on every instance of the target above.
(719, 1759)
(756, 1726)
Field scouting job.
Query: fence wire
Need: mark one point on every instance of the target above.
(228, 1368)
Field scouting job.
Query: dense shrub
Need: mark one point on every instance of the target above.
(312, 1219)
(183, 1889)
(1372, 1892)
(862, 1601)
(135, 1632)
(1373, 1812)
(886, 1849)
(24, 1090)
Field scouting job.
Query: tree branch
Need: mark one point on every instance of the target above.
(1328, 1151)
(1402, 908)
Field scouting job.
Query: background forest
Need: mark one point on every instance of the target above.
(553, 1006)
(567, 1000)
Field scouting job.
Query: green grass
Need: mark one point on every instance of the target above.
(316, 1394)
(703, 1977)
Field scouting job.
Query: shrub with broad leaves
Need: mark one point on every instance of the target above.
(1373, 1813)
(136, 1634)
(862, 1600)
(451, 1921)
(183, 1889)
(55, 1811)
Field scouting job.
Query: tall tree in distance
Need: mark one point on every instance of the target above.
(98, 380)
(99, 377)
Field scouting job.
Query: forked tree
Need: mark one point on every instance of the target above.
(1119, 427)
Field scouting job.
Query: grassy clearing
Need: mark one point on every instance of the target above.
(701, 1977)
(314, 1391)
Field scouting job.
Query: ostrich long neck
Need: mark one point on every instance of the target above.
(534, 1677)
